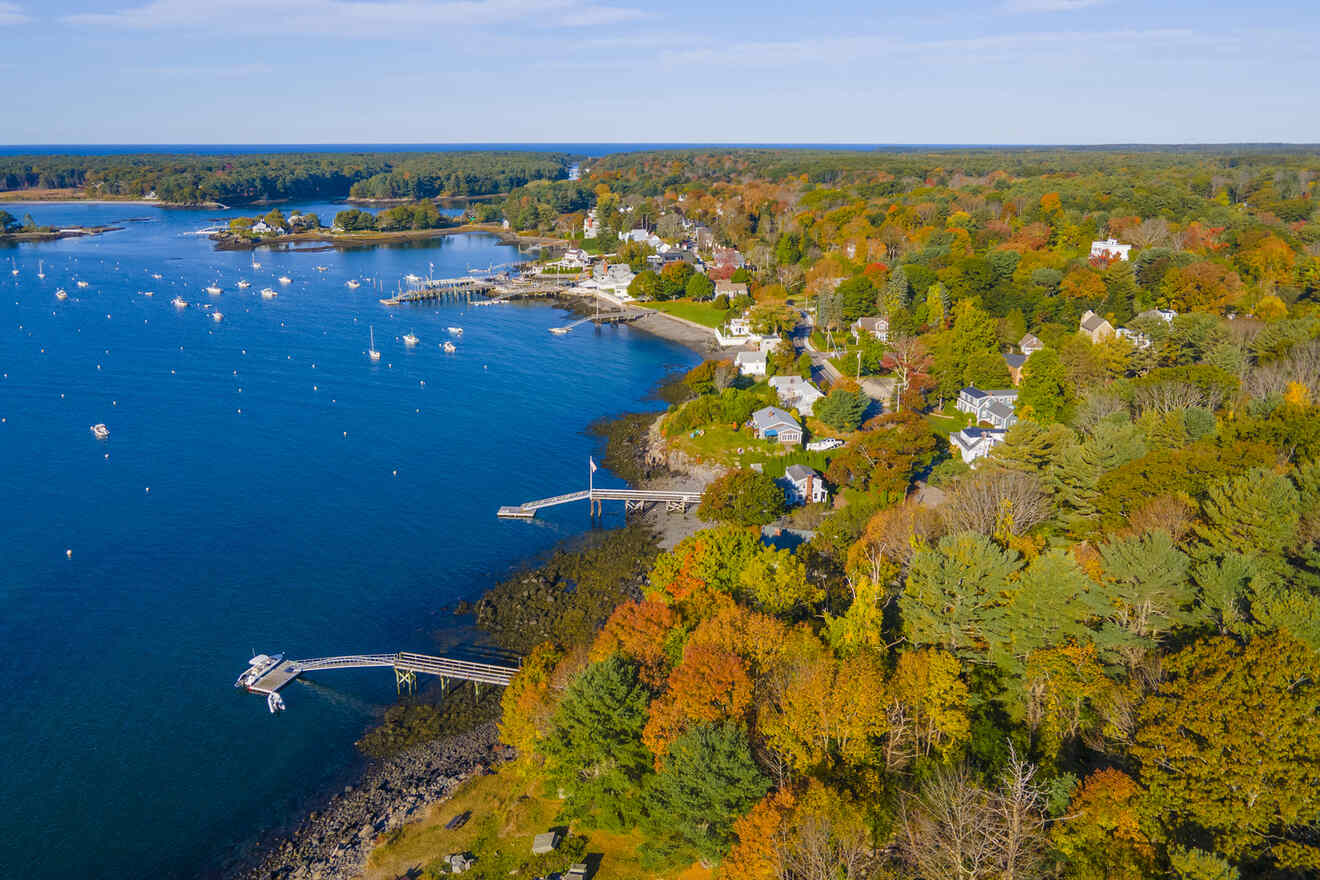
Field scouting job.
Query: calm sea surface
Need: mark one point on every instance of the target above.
(264, 487)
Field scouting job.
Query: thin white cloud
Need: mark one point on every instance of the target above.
(1047, 5)
(12, 13)
(350, 18)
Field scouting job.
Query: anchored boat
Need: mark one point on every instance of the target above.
(257, 667)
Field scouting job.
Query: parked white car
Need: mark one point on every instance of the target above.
(824, 445)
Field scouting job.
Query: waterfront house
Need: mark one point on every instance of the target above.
(1096, 328)
(740, 326)
(1029, 345)
(973, 443)
(772, 423)
(751, 363)
(796, 393)
(994, 407)
(1015, 362)
(730, 289)
(1109, 250)
(878, 327)
(802, 485)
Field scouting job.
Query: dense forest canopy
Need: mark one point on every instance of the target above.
(244, 178)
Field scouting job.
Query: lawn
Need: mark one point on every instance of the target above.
(507, 812)
(948, 421)
(698, 312)
(720, 444)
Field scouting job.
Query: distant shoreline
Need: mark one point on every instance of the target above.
(228, 242)
(54, 235)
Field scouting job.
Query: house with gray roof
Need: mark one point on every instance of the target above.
(973, 443)
(1030, 344)
(878, 327)
(796, 393)
(772, 423)
(751, 363)
(994, 406)
(802, 485)
(1015, 362)
(1095, 327)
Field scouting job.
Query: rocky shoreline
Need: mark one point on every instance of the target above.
(334, 841)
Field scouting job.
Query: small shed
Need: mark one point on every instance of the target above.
(545, 843)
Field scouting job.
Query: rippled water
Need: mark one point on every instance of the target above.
(274, 521)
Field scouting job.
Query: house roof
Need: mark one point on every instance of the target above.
(749, 357)
(971, 437)
(772, 416)
(796, 472)
(1092, 322)
(873, 322)
(1000, 410)
(1015, 361)
(1030, 341)
(973, 392)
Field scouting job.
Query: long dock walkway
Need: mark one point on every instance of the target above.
(633, 499)
(406, 667)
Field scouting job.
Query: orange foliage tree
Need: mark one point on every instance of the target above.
(709, 684)
(638, 630)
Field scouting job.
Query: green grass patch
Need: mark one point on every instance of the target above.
(948, 421)
(700, 313)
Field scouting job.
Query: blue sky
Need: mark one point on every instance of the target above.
(433, 71)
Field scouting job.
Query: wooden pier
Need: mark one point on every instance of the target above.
(498, 289)
(406, 666)
(633, 500)
(621, 317)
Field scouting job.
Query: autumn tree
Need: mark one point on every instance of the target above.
(709, 684)
(638, 631)
(954, 593)
(744, 497)
(1229, 749)
(1104, 836)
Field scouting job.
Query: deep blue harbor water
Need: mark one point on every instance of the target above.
(264, 487)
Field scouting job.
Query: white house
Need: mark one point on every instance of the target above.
(740, 326)
(974, 443)
(876, 326)
(750, 363)
(796, 393)
(802, 485)
(1165, 315)
(1030, 344)
(1109, 249)
(995, 407)
(772, 423)
(1136, 337)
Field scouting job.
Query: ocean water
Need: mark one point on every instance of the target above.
(264, 487)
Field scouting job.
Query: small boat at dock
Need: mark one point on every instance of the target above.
(274, 702)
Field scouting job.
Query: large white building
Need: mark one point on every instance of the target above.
(1109, 249)
(974, 443)
(796, 393)
(995, 407)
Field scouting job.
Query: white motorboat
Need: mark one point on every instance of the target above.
(371, 352)
(255, 264)
(217, 317)
(409, 277)
(323, 268)
(257, 667)
(351, 284)
(100, 431)
(179, 302)
(455, 331)
(156, 275)
(213, 290)
(268, 293)
(285, 279)
(449, 347)
(41, 269)
(61, 295)
(82, 283)
(243, 285)
(560, 331)
(13, 270)
(410, 338)
(274, 702)
(147, 292)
